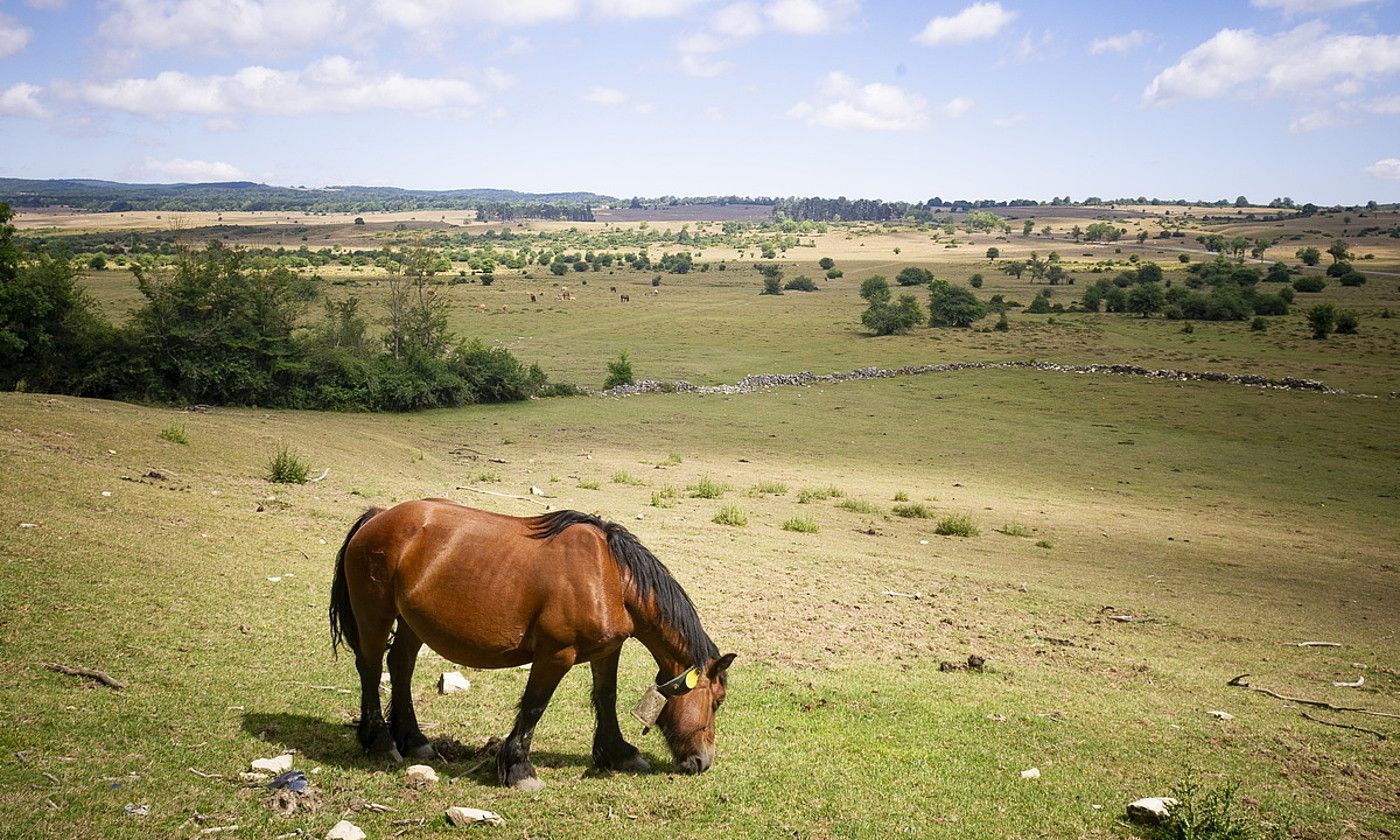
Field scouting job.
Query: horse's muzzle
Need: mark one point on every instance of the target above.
(698, 763)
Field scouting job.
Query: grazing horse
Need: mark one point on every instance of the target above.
(492, 591)
(625, 298)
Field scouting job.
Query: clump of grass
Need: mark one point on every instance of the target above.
(1015, 529)
(956, 526)
(588, 485)
(767, 488)
(175, 434)
(286, 468)
(731, 515)
(1207, 814)
(913, 510)
(901, 496)
(672, 460)
(858, 506)
(819, 494)
(488, 477)
(664, 498)
(1043, 544)
(801, 525)
(623, 477)
(707, 488)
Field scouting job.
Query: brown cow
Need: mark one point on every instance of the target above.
(626, 298)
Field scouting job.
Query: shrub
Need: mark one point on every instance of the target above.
(801, 526)
(1337, 269)
(1322, 319)
(912, 510)
(619, 372)
(488, 477)
(1352, 278)
(1278, 273)
(898, 318)
(1258, 324)
(950, 306)
(1012, 529)
(286, 468)
(1002, 324)
(975, 281)
(656, 281)
(175, 434)
(731, 515)
(875, 289)
(1347, 322)
(1310, 283)
(818, 494)
(664, 498)
(1202, 814)
(1043, 544)
(589, 485)
(559, 389)
(858, 506)
(707, 488)
(623, 477)
(956, 526)
(769, 488)
(1185, 258)
(914, 276)
(901, 496)
(834, 273)
(772, 286)
(801, 283)
(826, 263)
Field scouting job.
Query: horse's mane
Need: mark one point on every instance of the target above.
(650, 578)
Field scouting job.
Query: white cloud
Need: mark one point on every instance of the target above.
(844, 103)
(1119, 43)
(332, 84)
(192, 171)
(13, 36)
(1388, 168)
(980, 20)
(957, 106)
(21, 100)
(1313, 121)
(701, 67)
(261, 27)
(633, 9)
(808, 17)
(1239, 61)
(1386, 105)
(49, 5)
(1010, 120)
(427, 15)
(1308, 7)
(695, 53)
(739, 20)
(605, 96)
(644, 108)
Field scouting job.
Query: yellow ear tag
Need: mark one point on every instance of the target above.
(692, 677)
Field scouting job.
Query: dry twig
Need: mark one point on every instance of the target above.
(1379, 735)
(1321, 704)
(85, 672)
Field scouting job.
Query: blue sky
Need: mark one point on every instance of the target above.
(1009, 99)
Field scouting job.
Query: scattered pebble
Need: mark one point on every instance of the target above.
(136, 810)
(461, 816)
(106, 494)
(535, 491)
(420, 775)
(1033, 773)
(280, 764)
(345, 830)
(1216, 713)
(274, 579)
(1150, 810)
(453, 682)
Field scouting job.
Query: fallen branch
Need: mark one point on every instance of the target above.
(1360, 681)
(1313, 644)
(507, 496)
(85, 672)
(1379, 735)
(321, 477)
(913, 596)
(201, 774)
(1321, 704)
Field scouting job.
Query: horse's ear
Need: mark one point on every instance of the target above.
(721, 664)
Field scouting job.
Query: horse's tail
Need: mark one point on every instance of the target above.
(344, 630)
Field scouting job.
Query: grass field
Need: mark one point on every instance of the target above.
(1229, 522)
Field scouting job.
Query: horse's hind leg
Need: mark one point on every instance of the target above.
(610, 750)
(403, 722)
(369, 661)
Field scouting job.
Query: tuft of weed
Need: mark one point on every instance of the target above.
(588, 485)
(1015, 529)
(664, 498)
(1203, 813)
(731, 515)
(1043, 544)
(819, 494)
(623, 477)
(956, 526)
(488, 477)
(768, 488)
(175, 434)
(912, 510)
(801, 525)
(707, 488)
(286, 468)
(901, 496)
(858, 506)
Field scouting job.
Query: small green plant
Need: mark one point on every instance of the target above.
(731, 515)
(1347, 322)
(175, 434)
(489, 477)
(287, 468)
(1003, 324)
(858, 506)
(768, 488)
(801, 525)
(623, 477)
(1043, 544)
(1202, 813)
(664, 498)
(1013, 529)
(707, 488)
(589, 485)
(912, 510)
(818, 494)
(672, 460)
(1258, 324)
(619, 372)
(901, 496)
(957, 525)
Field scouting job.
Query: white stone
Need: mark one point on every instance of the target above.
(1151, 809)
(458, 815)
(535, 491)
(1033, 773)
(345, 830)
(453, 682)
(420, 775)
(1216, 713)
(280, 764)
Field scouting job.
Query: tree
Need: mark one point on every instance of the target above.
(619, 372)
(1036, 266)
(1145, 299)
(1027, 227)
(1347, 322)
(975, 281)
(1241, 202)
(772, 285)
(914, 276)
(1309, 255)
(885, 318)
(1260, 246)
(1141, 236)
(1238, 246)
(953, 306)
(1278, 273)
(1322, 319)
(827, 263)
(1338, 251)
(1076, 232)
(875, 289)
(993, 253)
(1149, 272)
(801, 283)
(1014, 268)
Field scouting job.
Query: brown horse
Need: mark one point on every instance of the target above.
(492, 591)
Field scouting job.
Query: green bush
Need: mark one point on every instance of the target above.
(1310, 283)
(1207, 814)
(286, 468)
(175, 434)
(912, 510)
(1002, 324)
(975, 281)
(731, 515)
(801, 283)
(858, 506)
(619, 372)
(956, 526)
(772, 286)
(901, 496)
(951, 306)
(707, 488)
(1259, 324)
(623, 477)
(801, 526)
(898, 318)
(1322, 319)
(834, 273)
(1347, 322)
(914, 276)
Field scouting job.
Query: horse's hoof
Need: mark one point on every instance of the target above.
(635, 764)
(424, 752)
(395, 756)
(529, 784)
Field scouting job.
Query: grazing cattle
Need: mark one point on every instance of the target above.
(533, 299)
(612, 288)
(626, 298)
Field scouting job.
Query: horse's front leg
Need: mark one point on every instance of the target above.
(513, 767)
(610, 750)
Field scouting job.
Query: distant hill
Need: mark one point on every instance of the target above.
(113, 196)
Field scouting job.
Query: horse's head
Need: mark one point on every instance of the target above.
(688, 720)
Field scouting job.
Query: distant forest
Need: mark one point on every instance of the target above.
(495, 204)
